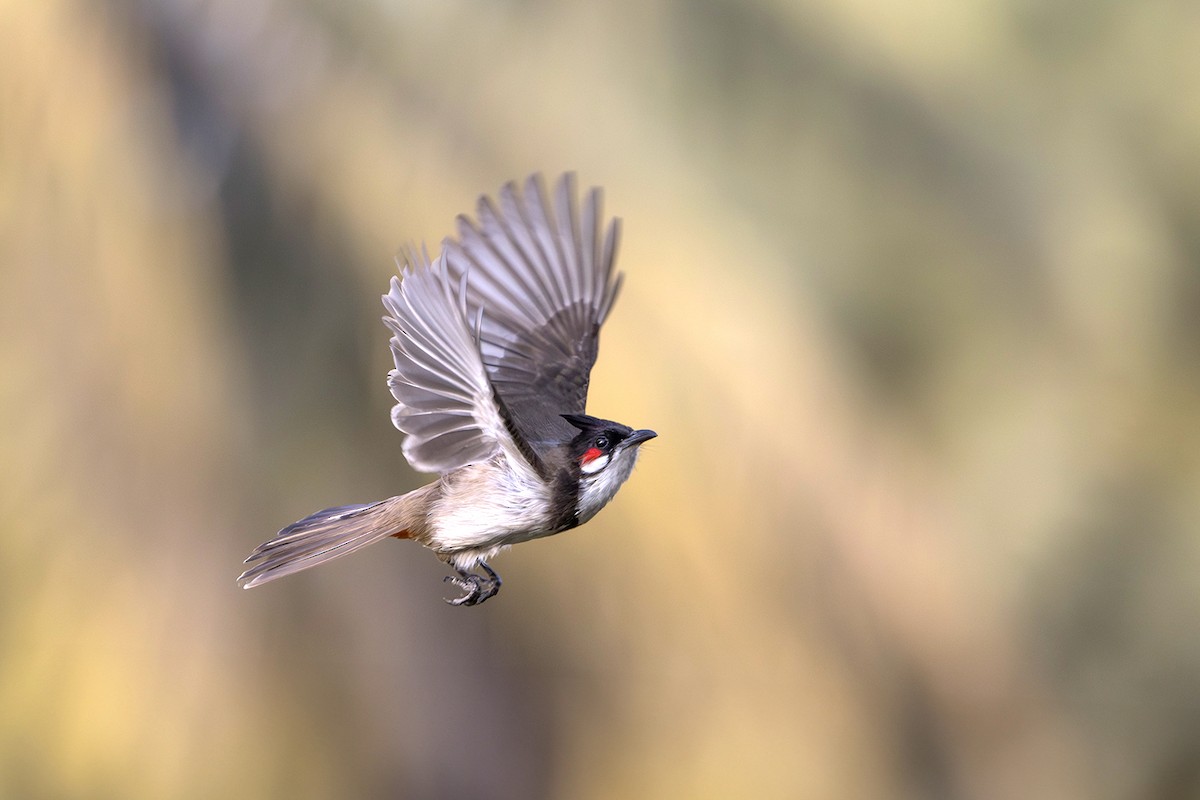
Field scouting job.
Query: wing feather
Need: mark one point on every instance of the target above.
(541, 271)
(445, 402)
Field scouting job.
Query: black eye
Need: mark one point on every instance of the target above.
(602, 442)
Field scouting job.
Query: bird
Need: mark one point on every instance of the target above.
(493, 342)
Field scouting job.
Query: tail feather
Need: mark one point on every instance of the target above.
(318, 538)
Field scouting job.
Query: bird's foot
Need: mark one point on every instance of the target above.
(476, 588)
(472, 586)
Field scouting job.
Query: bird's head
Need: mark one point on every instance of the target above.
(602, 455)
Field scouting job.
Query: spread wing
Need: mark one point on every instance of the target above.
(444, 400)
(542, 275)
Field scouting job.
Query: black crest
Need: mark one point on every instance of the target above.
(585, 423)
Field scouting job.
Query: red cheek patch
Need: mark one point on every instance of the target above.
(591, 455)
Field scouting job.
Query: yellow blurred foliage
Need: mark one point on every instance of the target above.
(911, 298)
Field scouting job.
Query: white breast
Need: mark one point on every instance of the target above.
(488, 505)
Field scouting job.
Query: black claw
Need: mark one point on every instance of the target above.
(470, 584)
(476, 588)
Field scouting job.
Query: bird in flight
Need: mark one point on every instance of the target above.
(493, 341)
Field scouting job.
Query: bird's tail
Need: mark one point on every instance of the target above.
(326, 535)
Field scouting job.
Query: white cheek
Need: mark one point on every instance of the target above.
(596, 490)
(595, 465)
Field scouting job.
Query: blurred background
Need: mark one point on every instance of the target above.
(912, 298)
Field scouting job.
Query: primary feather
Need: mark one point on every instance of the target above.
(542, 274)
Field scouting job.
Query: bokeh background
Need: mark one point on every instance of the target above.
(913, 300)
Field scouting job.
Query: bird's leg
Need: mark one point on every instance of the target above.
(476, 588)
(494, 582)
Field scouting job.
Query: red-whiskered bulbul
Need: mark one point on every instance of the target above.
(493, 341)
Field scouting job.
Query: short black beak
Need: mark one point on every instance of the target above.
(637, 437)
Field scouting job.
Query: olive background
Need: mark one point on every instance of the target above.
(912, 298)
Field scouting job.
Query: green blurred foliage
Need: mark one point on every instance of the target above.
(912, 300)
